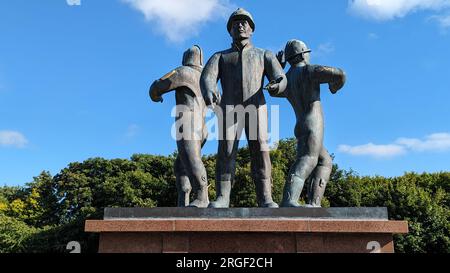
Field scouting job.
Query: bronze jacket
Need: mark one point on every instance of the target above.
(241, 73)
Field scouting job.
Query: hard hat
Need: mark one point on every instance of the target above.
(193, 56)
(294, 48)
(241, 13)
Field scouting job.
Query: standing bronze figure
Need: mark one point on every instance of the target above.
(241, 70)
(303, 92)
(191, 110)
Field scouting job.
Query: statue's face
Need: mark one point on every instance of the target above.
(240, 29)
(307, 57)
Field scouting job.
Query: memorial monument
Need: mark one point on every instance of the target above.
(197, 229)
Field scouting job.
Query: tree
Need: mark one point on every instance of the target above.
(13, 235)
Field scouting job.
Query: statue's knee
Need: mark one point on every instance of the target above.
(326, 160)
(261, 175)
(310, 160)
(185, 187)
(228, 155)
(201, 179)
(293, 178)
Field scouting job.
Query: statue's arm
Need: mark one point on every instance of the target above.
(275, 73)
(335, 77)
(209, 79)
(164, 85)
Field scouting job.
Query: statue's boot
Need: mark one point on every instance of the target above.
(184, 189)
(202, 200)
(319, 179)
(292, 190)
(264, 194)
(223, 189)
(201, 188)
(316, 190)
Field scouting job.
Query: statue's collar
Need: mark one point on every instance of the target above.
(239, 46)
(196, 67)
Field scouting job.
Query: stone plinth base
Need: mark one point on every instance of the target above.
(293, 230)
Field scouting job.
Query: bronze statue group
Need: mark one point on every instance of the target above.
(241, 70)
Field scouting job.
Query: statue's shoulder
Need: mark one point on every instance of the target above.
(318, 69)
(218, 55)
(186, 70)
(180, 71)
(223, 52)
(188, 74)
(268, 54)
(260, 50)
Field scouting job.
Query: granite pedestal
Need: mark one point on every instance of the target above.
(246, 230)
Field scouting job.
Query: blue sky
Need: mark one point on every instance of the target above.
(74, 78)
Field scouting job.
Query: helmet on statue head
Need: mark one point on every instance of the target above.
(193, 56)
(241, 13)
(294, 48)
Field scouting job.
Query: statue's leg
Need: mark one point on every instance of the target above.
(256, 133)
(262, 175)
(229, 134)
(319, 179)
(307, 158)
(182, 183)
(204, 134)
(190, 154)
(202, 197)
(225, 169)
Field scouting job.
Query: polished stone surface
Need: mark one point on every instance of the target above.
(243, 242)
(379, 213)
(247, 225)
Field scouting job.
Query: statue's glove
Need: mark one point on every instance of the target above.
(154, 95)
(273, 88)
(339, 82)
(281, 58)
(212, 99)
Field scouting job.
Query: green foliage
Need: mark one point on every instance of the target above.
(35, 204)
(49, 212)
(421, 199)
(14, 234)
(85, 189)
(55, 239)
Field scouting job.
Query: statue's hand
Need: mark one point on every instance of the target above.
(211, 99)
(156, 98)
(273, 87)
(154, 95)
(281, 58)
(337, 85)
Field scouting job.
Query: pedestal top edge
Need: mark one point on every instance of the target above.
(363, 213)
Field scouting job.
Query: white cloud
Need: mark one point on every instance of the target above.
(438, 142)
(180, 19)
(132, 131)
(443, 20)
(374, 150)
(435, 142)
(324, 49)
(12, 139)
(382, 10)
